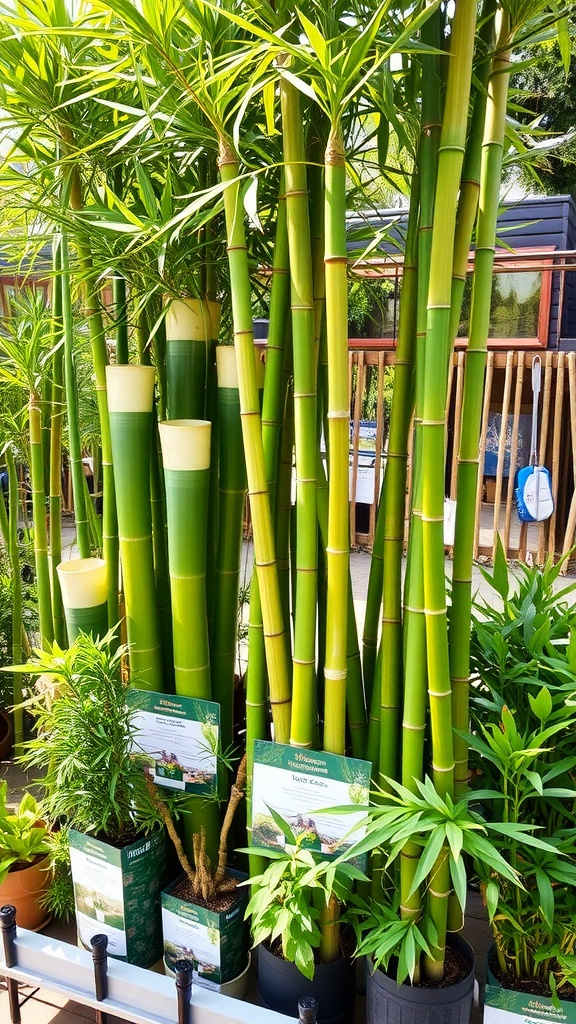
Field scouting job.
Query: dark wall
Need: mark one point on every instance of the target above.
(546, 222)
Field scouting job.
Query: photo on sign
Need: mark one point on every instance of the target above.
(300, 786)
(179, 738)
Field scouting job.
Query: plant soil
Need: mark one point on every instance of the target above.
(456, 968)
(531, 986)
(220, 902)
(346, 948)
(21, 865)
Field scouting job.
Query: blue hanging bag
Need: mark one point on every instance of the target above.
(534, 499)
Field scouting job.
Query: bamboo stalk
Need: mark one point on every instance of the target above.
(304, 710)
(74, 446)
(17, 624)
(337, 548)
(188, 332)
(469, 461)
(276, 655)
(482, 451)
(232, 484)
(56, 424)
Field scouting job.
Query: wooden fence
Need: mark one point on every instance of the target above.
(504, 446)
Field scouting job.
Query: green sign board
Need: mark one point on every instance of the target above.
(179, 736)
(298, 784)
(504, 1006)
(117, 893)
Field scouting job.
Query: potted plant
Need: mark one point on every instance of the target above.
(403, 937)
(24, 861)
(203, 909)
(95, 784)
(523, 721)
(290, 904)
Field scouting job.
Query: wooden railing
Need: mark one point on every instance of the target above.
(508, 401)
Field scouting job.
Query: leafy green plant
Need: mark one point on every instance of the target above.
(58, 899)
(94, 779)
(292, 896)
(442, 831)
(533, 929)
(23, 837)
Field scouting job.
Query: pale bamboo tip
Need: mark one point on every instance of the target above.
(83, 582)
(226, 367)
(185, 444)
(130, 388)
(192, 320)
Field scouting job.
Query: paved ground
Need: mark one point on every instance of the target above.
(42, 1007)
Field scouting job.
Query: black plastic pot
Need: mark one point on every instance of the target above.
(388, 1002)
(281, 985)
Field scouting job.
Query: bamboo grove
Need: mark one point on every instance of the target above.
(190, 164)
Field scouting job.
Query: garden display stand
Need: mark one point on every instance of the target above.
(112, 986)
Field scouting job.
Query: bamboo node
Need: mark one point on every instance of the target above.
(413, 728)
(442, 771)
(336, 259)
(432, 519)
(339, 414)
(335, 674)
(415, 611)
(236, 248)
(432, 423)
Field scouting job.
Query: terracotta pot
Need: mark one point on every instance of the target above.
(22, 889)
(6, 735)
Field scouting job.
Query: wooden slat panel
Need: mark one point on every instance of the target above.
(556, 437)
(514, 449)
(485, 413)
(502, 450)
(544, 428)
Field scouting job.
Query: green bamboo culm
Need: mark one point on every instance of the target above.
(468, 455)
(56, 424)
(130, 402)
(84, 586)
(17, 627)
(337, 548)
(188, 332)
(186, 458)
(39, 520)
(74, 445)
(273, 625)
(304, 709)
(232, 492)
(451, 152)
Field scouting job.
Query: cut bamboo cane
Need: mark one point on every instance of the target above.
(84, 586)
(130, 403)
(189, 328)
(186, 457)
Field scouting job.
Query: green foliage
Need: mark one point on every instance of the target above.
(22, 837)
(292, 894)
(59, 897)
(93, 777)
(523, 718)
(443, 831)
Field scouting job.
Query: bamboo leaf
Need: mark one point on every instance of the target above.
(315, 37)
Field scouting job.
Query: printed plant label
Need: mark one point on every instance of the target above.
(503, 1006)
(179, 736)
(298, 784)
(117, 893)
